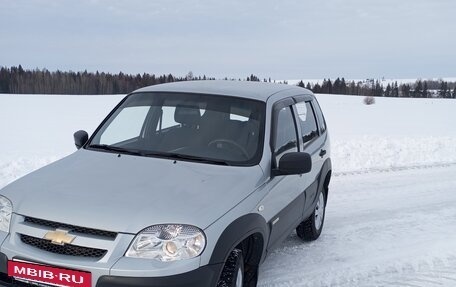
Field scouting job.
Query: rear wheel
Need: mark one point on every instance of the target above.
(310, 229)
(233, 271)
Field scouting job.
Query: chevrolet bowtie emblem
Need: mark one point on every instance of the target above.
(59, 237)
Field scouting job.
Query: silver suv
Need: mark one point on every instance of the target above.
(183, 184)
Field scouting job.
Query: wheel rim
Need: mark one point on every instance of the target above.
(320, 211)
(239, 278)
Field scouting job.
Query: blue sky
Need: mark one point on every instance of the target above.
(285, 39)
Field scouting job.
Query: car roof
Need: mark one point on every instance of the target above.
(245, 89)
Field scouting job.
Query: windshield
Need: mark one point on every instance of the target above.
(210, 128)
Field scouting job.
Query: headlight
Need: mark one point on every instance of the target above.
(168, 243)
(6, 208)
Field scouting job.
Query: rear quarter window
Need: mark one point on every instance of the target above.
(321, 118)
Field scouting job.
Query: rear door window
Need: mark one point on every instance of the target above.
(307, 121)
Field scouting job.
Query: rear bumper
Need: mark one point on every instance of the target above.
(205, 276)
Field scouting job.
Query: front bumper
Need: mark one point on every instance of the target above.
(205, 276)
(113, 269)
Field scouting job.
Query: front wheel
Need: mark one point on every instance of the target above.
(233, 271)
(310, 229)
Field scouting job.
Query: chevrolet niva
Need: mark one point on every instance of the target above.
(183, 184)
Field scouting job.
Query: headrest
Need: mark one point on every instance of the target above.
(187, 115)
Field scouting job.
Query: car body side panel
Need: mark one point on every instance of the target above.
(285, 221)
(235, 218)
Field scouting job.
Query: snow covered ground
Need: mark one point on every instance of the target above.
(391, 218)
(36, 130)
(392, 228)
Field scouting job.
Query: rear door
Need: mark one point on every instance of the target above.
(311, 142)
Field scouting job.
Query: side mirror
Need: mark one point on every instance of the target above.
(294, 163)
(80, 138)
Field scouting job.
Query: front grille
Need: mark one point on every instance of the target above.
(67, 249)
(71, 228)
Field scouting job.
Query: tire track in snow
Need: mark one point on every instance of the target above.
(399, 274)
(438, 273)
(394, 169)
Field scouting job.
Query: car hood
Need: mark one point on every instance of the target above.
(129, 193)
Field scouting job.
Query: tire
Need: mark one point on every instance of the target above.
(233, 271)
(310, 229)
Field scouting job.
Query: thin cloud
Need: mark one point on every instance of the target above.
(286, 39)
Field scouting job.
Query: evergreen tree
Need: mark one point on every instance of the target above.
(388, 91)
(454, 93)
(395, 92)
(353, 88)
(327, 87)
(4, 80)
(253, 78)
(405, 90)
(339, 87)
(317, 88)
(301, 84)
(425, 93)
(443, 91)
(378, 90)
(330, 86)
(20, 70)
(344, 88)
(418, 92)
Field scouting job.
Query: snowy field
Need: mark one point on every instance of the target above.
(391, 217)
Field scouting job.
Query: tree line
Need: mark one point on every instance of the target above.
(16, 80)
(374, 88)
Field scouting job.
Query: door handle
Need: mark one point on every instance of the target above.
(322, 153)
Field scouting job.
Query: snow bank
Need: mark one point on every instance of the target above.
(369, 153)
(393, 133)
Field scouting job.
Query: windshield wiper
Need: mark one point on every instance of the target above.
(158, 154)
(114, 148)
(186, 157)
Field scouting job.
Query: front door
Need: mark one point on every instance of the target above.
(284, 202)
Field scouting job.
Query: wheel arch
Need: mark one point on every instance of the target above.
(325, 177)
(251, 227)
